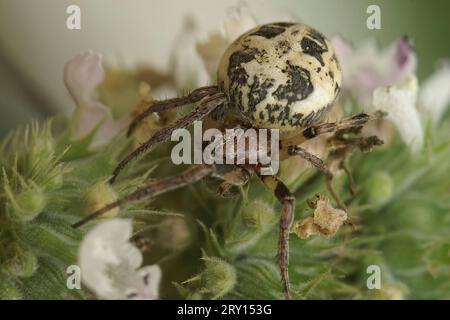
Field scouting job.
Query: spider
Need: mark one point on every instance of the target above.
(281, 76)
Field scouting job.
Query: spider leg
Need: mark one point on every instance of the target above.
(319, 164)
(343, 147)
(335, 195)
(236, 176)
(312, 159)
(351, 181)
(206, 105)
(163, 105)
(287, 200)
(317, 130)
(154, 188)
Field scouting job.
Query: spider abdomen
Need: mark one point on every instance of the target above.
(281, 75)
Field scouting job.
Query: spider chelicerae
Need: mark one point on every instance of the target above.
(281, 76)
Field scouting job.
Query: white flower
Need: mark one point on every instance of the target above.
(384, 80)
(82, 75)
(399, 102)
(367, 67)
(212, 49)
(194, 63)
(237, 22)
(109, 263)
(186, 66)
(434, 96)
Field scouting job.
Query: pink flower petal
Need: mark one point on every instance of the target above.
(82, 75)
(367, 67)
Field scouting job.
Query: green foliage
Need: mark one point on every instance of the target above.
(48, 182)
(211, 247)
(401, 213)
(35, 243)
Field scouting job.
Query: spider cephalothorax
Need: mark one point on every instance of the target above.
(280, 76)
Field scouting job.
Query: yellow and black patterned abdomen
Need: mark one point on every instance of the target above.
(281, 75)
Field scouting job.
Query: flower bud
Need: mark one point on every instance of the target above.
(55, 180)
(41, 149)
(153, 122)
(419, 217)
(218, 278)
(379, 188)
(259, 214)
(173, 233)
(20, 262)
(29, 203)
(98, 196)
(83, 74)
(390, 291)
(8, 291)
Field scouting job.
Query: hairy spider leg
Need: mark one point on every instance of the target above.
(234, 177)
(287, 200)
(154, 188)
(317, 130)
(206, 105)
(343, 146)
(351, 180)
(158, 106)
(311, 158)
(289, 147)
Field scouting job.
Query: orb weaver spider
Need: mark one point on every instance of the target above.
(283, 76)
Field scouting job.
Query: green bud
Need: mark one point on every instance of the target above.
(415, 217)
(173, 233)
(195, 296)
(379, 188)
(218, 278)
(437, 257)
(55, 179)
(20, 262)
(41, 148)
(259, 214)
(98, 196)
(29, 203)
(8, 291)
(389, 291)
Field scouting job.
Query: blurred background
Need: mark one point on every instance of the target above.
(35, 43)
